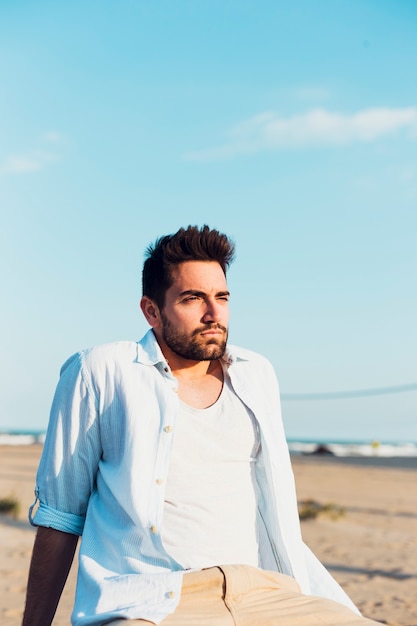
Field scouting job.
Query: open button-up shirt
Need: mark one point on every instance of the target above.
(105, 463)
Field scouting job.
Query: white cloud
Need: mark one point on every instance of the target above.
(270, 131)
(24, 163)
(53, 136)
(19, 164)
(32, 160)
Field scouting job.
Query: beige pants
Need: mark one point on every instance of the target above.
(240, 595)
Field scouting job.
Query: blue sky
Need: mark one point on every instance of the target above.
(290, 126)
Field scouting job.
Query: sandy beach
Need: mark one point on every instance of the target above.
(371, 549)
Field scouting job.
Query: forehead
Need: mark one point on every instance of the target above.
(200, 275)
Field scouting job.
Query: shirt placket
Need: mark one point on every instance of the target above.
(163, 454)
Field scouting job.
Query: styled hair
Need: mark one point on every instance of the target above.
(187, 244)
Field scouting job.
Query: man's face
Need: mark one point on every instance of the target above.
(195, 316)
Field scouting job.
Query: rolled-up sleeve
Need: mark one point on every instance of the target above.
(67, 472)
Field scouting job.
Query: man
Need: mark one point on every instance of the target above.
(168, 456)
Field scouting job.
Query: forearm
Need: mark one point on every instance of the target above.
(53, 553)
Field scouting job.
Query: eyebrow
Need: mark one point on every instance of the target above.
(196, 292)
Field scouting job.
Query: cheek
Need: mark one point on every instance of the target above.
(187, 319)
(225, 313)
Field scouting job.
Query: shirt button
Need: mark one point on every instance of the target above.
(168, 429)
(159, 481)
(154, 530)
(171, 594)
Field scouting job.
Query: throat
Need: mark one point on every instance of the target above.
(203, 390)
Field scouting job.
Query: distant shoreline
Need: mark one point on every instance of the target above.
(393, 462)
(389, 462)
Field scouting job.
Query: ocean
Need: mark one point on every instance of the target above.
(297, 446)
(341, 448)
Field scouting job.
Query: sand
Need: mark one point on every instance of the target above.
(371, 549)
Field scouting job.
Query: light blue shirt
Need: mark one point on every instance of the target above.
(105, 463)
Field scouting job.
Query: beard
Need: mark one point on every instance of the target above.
(191, 346)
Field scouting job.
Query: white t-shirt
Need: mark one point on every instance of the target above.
(210, 508)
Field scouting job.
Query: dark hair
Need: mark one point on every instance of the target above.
(187, 244)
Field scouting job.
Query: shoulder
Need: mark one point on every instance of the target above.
(102, 357)
(115, 351)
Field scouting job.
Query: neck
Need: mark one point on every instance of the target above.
(200, 385)
(194, 370)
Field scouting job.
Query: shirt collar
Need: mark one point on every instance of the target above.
(148, 351)
(234, 354)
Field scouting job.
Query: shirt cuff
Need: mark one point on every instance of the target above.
(51, 518)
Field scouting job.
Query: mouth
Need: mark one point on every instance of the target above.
(213, 331)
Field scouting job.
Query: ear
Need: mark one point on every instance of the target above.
(151, 312)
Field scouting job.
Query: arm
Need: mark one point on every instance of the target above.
(52, 556)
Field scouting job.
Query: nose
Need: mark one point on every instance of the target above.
(213, 312)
